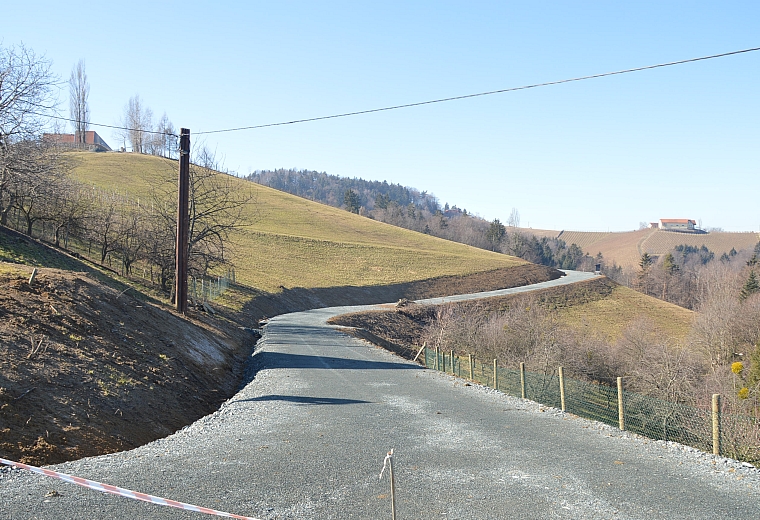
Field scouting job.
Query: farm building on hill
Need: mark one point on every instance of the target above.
(92, 141)
(677, 224)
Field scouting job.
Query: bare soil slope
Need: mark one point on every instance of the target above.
(87, 370)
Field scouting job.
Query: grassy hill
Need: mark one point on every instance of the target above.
(294, 242)
(626, 247)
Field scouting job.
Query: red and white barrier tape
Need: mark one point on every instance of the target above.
(105, 488)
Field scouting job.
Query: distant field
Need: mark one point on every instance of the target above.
(293, 242)
(625, 248)
(661, 242)
(585, 240)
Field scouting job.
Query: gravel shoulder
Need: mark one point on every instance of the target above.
(306, 435)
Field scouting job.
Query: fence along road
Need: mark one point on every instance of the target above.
(306, 438)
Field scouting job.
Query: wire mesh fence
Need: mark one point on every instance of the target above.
(208, 289)
(735, 436)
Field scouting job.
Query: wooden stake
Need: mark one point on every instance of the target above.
(418, 353)
(522, 379)
(621, 409)
(393, 487)
(716, 423)
(562, 387)
(495, 374)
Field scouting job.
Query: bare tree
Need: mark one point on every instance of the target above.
(138, 123)
(103, 230)
(218, 207)
(164, 141)
(26, 85)
(79, 93)
(69, 209)
(514, 219)
(34, 181)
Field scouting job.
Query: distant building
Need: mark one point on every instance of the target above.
(677, 224)
(92, 141)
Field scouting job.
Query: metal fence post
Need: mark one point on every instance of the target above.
(716, 423)
(472, 375)
(621, 410)
(522, 380)
(437, 357)
(562, 387)
(495, 374)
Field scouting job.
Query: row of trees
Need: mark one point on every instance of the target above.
(142, 135)
(365, 196)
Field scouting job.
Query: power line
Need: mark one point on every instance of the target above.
(466, 96)
(421, 103)
(115, 127)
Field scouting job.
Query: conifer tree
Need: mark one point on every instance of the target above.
(750, 287)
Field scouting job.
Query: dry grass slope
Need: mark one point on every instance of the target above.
(608, 317)
(294, 242)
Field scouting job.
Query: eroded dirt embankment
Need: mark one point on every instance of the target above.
(404, 328)
(86, 369)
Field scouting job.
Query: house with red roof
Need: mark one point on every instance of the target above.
(677, 224)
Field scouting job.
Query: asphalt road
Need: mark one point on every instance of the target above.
(306, 438)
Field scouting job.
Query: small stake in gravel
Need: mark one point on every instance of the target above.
(31, 278)
(389, 463)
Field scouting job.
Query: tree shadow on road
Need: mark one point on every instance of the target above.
(299, 399)
(275, 360)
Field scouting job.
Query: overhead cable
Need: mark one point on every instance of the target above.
(421, 103)
(466, 96)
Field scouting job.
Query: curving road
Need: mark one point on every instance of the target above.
(306, 438)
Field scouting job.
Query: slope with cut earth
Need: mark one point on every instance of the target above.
(87, 369)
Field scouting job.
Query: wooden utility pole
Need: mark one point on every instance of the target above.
(183, 222)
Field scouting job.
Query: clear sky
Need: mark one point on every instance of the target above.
(597, 155)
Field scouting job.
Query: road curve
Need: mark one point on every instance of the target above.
(306, 438)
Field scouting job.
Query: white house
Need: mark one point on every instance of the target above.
(678, 224)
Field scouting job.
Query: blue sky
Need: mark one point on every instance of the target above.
(597, 155)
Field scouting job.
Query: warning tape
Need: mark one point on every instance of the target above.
(105, 488)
